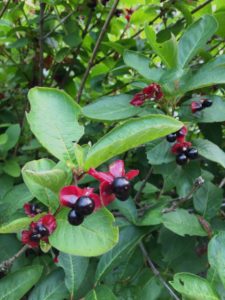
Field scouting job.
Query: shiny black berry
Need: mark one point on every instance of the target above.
(121, 188)
(207, 103)
(181, 159)
(35, 237)
(171, 137)
(42, 230)
(75, 218)
(192, 153)
(85, 205)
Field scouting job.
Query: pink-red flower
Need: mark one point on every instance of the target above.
(115, 182)
(180, 147)
(153, 92)
(39, 230)
(196, 106)
(31, 209)
(70, 194)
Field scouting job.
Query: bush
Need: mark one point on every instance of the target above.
(112, 168)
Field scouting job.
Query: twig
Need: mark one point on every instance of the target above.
(156, 272)
(41, 41)
(222, 183)
(60, 23)
(98, 42)
(4, 8)
(197, 184)
(5, 265)
(137, 196)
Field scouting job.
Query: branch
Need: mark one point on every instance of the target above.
(5, 265)
(197, 184)
(41, 41)
(156, 272)
(60, 23)
(98, 42)
(222, 183)
(137, 196)
(4, 8)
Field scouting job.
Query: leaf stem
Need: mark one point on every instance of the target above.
(156, 272)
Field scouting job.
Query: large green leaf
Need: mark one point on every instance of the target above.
(210, 151)
(215, 113)
(13, 133)
(216, 255)
(193, 287)
(44, 180)
(16, 285)
(167, 50)
(194, 38)
(75, 268)
(208, 200)
(129, 237)
(111, 108)
(129, 135)
(140, 63)
(101, 292)
(95, 236)
(54, 121)
(209, 74)
(159, 152)
(51, 287)
(182, 222)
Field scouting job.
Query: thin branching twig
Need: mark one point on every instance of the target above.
(4, 9)
(7, 264)
(156, 272)
(137, 196)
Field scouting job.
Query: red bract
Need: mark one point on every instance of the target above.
(39, 230)
(181, 134)
(180, 147)
(153, 92)
(138, 99)
(31, 209)
(196, 106)
(70, 194)
(116, 170)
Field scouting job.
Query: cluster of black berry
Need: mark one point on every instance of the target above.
(84, 206)
(121, 188)
(39, 232)
(182, 149)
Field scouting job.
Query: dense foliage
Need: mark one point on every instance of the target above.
(111, 137)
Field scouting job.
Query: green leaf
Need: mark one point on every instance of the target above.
(182, 222)
(13, 133)
(44, 180)
(193, 287)
(166, 50)
(195, 38)
(216, 255)
(140, 63)
(208, 200)
(153, 216)
(111, 108)
(210, 151)
(12, 168)
(209, 74)
(102, 292)
(159, 152)
(214, 113)
(3, 138)
(52, 287)
(128, 135)
(13, 200)
(98, 229)
(129, 238)
(18, 224)
(75, 268)
(220, 17)
(54, 121)
(127, 208)
(16, 285)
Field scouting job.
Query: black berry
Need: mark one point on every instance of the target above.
(42, 230)
(181, 159)
(207, 103)
(75, 218)
(35, 237)
(192, 153)
(121, 188)
(171, 137)
(85, 206)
